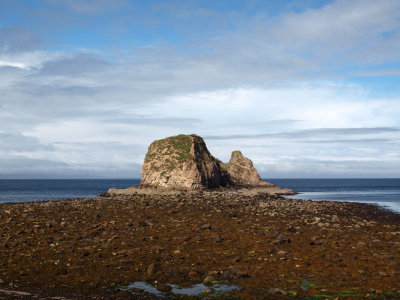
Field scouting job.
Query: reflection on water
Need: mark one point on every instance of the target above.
(340, 197)
(194, 290)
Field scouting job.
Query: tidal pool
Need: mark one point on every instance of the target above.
(194, 290)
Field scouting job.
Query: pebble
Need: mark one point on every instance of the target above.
(282, 252)
(206, 227)
(276, 291)
(217, 239)
(164, 288)
(208, 279)
(383, 274)
(151, 269)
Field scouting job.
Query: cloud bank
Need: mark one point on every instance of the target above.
(291, 89)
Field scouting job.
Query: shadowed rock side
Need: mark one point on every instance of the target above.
(242, 172)
(182, 162)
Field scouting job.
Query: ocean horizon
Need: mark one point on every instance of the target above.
(382, 191)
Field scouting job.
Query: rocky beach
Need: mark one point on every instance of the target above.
(269, 246)
(198, 228)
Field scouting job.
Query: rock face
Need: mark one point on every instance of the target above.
(242, 171)
(184, 162)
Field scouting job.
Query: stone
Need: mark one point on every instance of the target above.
(208, 279)
(217, 239)
(276, 291)
(282, 252)
(206, 227)
(280, 240)
(227, 275)
(152, 269)
(240, 272)
(383, 274)
(317, 241)
(164, 288)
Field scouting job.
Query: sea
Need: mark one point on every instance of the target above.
(385, 192)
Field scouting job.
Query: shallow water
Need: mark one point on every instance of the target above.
(194, 290)
(382, 191)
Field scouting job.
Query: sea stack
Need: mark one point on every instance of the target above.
(242, 172)
(184, 162)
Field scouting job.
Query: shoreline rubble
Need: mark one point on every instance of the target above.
(261, 242)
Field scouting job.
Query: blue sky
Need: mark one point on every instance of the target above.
(303, 88)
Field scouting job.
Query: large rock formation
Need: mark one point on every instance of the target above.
(184, 162)
(242, 172)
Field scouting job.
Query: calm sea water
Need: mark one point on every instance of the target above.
(385, 192)
(43, 189)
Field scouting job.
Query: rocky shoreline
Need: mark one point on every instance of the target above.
(269, 246)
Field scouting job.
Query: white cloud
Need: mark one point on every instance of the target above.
(273, 87)
(348, 114)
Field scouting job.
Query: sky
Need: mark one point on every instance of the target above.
(305, 89)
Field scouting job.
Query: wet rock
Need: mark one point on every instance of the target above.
(136, 290)
(152, 269)
(208, 279)
(193, 274)
(165, 288)
(227, 275)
